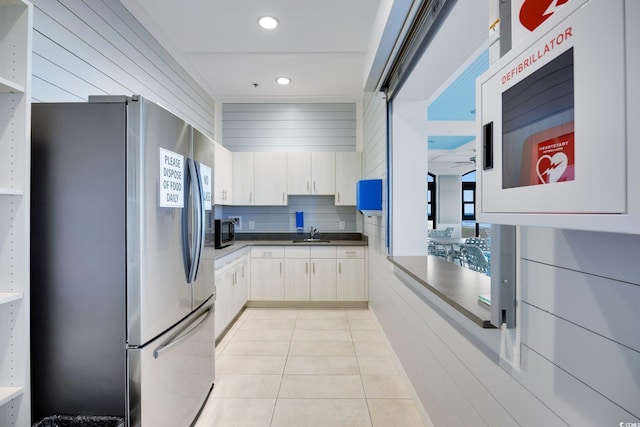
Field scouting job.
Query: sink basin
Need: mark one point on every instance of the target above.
(311, 241)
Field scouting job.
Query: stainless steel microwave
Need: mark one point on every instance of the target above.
(224, 232)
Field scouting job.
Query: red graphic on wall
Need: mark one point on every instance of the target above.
(551, 155)
(535, 12)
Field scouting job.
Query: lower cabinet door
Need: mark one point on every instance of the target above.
(323, 279)
(296, 280)
(267, 279)
(224, 296)
(350, 280)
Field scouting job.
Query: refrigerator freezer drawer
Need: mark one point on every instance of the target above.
(170, 378)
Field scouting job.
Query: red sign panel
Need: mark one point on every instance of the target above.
(551, 155)
(535, 12)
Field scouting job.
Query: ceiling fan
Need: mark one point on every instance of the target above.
(471, 161)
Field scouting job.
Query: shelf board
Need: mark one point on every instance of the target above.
(9, 393)
(11, 191)
(7, 86)
(7, 297)
(12, 3)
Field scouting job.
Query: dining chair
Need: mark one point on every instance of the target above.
(475, 259)
(480, 242)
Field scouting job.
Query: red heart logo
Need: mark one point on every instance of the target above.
(551, 168)
(535, 12)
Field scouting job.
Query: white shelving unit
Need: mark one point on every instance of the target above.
(16, 18)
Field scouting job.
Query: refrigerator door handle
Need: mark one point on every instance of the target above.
(199, 223)
(193, 327)
(191, 247)
(186, 253)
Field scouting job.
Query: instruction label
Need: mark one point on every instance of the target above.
(171, 179)
(205, 177)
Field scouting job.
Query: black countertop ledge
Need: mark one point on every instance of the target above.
(286, 239)
(456, 285)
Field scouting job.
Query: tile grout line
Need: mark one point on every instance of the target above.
(364, 390)
(286, 360)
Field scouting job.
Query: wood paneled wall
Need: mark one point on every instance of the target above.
(579, 345)
(96, 47)
(289, 127)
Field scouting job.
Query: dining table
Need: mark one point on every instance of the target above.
(449, 244)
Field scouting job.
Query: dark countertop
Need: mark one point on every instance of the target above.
(457, 286)
(286, 239)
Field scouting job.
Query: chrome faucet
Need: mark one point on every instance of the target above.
(313, 232)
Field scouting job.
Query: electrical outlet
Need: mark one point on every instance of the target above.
(252, 225)
(342, 225)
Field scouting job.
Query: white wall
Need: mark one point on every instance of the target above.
(449, 203)
(580, 351)
(96, 47)
(409, 184)
(289, 127)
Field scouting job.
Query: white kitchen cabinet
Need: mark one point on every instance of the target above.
(224, 297)
(223, 176)
(232, 284)
(270, 179)
(267, 273)
(323, 273)
(16, 18)
(243, 178)
(323, 280)
(296, 280)
(242, 282)
(297, 273)
(350, 281)
(311, 173)
(348, 172)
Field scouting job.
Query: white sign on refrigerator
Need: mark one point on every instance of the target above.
(171, 179)
(205, 177)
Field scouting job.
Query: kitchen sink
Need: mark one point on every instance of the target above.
(314, 240)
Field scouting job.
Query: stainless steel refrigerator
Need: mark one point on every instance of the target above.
(122, 307)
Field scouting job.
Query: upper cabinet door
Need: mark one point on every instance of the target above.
(299, 173)
(270, 179)
(243, 179)
(223, 175)
(323, 173)
(348, 172)
(311, 173)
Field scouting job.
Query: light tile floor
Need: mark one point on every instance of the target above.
(308, 367)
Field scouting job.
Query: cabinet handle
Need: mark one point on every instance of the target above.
(281, 269)
(313, 265)
(315, 190)
(339, 268)
(338, 197)
(306, 268)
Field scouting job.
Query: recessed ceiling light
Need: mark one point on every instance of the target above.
(268, 22)
(283, 80)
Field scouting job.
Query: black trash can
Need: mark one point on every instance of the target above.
(80, 421)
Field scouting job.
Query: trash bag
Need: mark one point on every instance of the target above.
(80, 421)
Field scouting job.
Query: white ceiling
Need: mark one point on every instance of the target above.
(326, 47)
(322, 45)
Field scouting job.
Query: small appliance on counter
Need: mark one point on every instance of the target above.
(224, 232)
